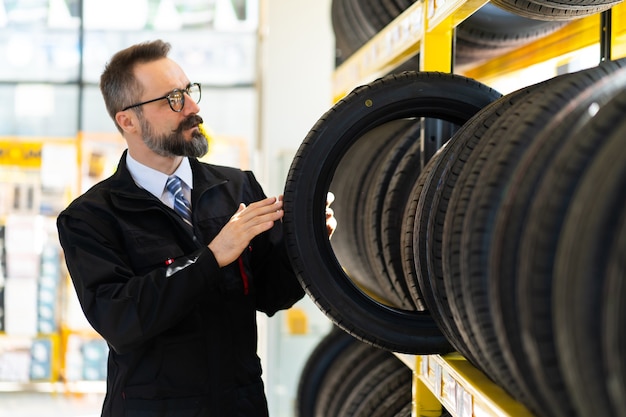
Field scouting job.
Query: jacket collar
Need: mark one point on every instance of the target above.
(204, 178)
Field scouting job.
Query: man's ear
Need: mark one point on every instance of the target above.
(128, 122)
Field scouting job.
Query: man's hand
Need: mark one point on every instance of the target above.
(246, 223)
(331, 222)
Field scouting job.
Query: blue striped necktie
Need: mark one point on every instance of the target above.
(181, 205)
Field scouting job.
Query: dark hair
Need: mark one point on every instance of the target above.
(118, 84)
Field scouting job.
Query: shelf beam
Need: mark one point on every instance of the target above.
(393, 45)
(575, 36)
(463, 389)
(426, 28)
(429, 20)
(441, 19)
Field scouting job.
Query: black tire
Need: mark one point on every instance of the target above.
(407, 255)
(459, 168)
(355, 179)
(491, 31)
(407, 411)
(409, 95)
(404, 4)
(415, 257)
(367, 396)
(576, 4)
(394, 398)
(374, 12)
(589, 235)
(373, 216)
(492, 26)
(394, 207)
(319, 364)
(347, 41)
(519, 312)
(351, 366)
(425, 225)
(613, 322)
(395, 235)
(359, 19)
(489, 234)
(552, 10)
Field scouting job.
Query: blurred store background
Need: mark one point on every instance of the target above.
(265, 69)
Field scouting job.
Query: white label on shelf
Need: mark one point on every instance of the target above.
(464, 401)
(432, 375)
(431, 8)
(417, 20)
(448, 391)
(437, 375)
(424, 366)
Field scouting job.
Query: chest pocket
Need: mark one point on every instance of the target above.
(209, 227)
(149, 250)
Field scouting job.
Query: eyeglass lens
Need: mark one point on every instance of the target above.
(177, 97)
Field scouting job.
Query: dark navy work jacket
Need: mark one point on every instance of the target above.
(181, 330)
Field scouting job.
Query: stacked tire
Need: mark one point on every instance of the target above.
(345, 377)
(354, 151)
(495, 28)
(506, 241)
(506, 245)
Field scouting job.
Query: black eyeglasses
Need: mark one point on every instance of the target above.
(176, 98)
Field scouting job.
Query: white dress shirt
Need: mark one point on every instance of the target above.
(154, 181)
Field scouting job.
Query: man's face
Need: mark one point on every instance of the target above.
(173, 143)
(164, 131)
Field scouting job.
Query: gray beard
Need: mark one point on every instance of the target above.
(174, 143)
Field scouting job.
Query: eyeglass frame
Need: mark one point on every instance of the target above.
(169, 100)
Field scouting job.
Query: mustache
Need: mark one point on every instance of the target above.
(189, 122)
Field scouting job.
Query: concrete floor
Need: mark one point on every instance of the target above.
(38, 404)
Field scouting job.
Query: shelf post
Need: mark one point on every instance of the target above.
(436, 47)
(618, 31)
(606, 35)
(425, 404)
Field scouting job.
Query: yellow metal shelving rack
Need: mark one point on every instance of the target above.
(427, 28)
(450, 381)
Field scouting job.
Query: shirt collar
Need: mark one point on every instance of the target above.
(154, 181)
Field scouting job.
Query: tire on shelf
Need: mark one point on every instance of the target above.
(319, 364)
(424, 226)
(346, 40)
(357, 179)
(490, 234)
(390, 398)
(613, 320)
(385, 379)
(317, 166)
(393, 215)
(588, 238)
(518, 304)
(412, 258)
(492, 31)
(460, 181)
(354, 366)
(550, 10)
(372, 214)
